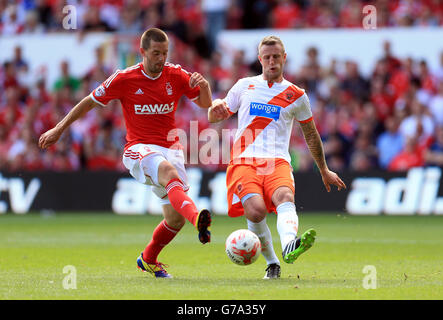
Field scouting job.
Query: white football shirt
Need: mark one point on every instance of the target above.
(265, 116)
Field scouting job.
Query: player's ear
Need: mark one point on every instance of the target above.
(142, 51)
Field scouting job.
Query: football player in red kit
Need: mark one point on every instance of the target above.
(149, 93)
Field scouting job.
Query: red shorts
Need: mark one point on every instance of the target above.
(260, 176)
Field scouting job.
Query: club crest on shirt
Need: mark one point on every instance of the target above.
(168, 88)
(100, 91)
(290, 95)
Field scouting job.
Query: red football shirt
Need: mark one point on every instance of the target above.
(149, 104)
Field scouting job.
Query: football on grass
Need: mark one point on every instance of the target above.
(243, 247)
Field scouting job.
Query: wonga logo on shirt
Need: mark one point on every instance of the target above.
(264, 110)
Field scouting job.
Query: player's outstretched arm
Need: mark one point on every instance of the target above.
(51, 136)
(315, 146)
(205, 98)
(218, 111)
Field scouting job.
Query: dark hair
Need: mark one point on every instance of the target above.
(154, 34)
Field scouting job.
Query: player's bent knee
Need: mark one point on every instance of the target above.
(166, 172)
(255, 209)
(256, 217)
(282, 195)
(255, 214)
(286, 197)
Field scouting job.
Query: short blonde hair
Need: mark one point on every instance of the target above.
(270, 41)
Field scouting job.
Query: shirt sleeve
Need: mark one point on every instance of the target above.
(190, 93)
(109, 90)
(232, 99)
(302, 110)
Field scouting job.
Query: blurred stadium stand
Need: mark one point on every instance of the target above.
(389, 119)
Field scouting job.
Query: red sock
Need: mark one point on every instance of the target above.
(163, 234)
(180, 201)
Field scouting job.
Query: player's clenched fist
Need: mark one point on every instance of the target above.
(197, 79)
(48, 138)
(218, 111)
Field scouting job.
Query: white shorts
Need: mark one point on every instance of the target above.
(143, 160)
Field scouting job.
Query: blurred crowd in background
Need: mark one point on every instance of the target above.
(188, 16)
(391, 119)
(197, 22)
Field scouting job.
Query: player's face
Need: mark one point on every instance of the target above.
(155, 57)
(272, 59)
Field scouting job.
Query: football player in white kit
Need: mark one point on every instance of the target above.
(259, 176)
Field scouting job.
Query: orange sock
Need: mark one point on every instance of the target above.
(163, 234)
(180, 201)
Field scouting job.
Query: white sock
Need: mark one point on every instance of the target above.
(262, 231)
(287, 223)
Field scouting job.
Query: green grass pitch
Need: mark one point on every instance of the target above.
(407, 253)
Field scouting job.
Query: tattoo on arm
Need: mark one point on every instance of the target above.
(315, 145)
